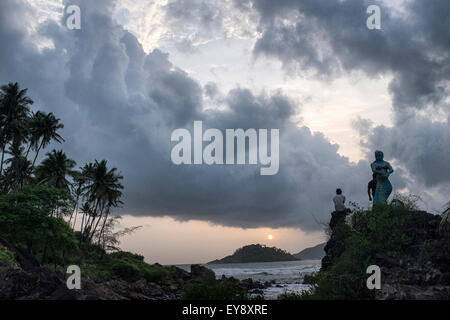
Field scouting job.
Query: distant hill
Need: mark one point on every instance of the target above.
(256, 253)
(313, 253)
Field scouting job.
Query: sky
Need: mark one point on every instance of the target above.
(336, 90)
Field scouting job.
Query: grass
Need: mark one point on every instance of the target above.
(125, 265)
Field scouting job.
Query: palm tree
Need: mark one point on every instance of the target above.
(103, 191)
(14, 115)
(19, 170)
(55, 170)
(43, 129)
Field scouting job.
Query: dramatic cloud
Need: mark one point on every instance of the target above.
(329, 38)
(195, 22)
(122, 104)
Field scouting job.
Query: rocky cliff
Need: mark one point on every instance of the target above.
(411, 249)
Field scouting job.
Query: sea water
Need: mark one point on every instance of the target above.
(287, 276)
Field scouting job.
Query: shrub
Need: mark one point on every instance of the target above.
(7, 258)
(126, 270)
(131, 267)
(154, 273)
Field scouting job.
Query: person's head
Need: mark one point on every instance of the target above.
(338, 191)
(379, 155)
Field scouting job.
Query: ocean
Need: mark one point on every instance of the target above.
(286, 275)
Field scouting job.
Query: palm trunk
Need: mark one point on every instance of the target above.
(76, 213)
(98, 221)
(3, 157)
(28, 151)
(37, 153)
(90, 222)
(81, 228)
(103, 230)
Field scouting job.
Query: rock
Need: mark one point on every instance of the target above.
(423, 272)
(202, 274)
(385, 260)
(247, 284)
(180, 274)
(308, 279)
(256, 292)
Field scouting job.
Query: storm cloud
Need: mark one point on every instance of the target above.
(328, 39)
(121, 103)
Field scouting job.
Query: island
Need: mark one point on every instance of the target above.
(256, 253)
(313, 253)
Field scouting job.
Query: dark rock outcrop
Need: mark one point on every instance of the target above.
(202, 274)
(335, 246)
(423, 273)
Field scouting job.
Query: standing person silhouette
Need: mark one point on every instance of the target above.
(371, 186)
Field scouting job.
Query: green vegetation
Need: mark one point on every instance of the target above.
(124, 265)
(27, 219)
(384, 230)
(257, 253)
(53, 211)
(7, 258)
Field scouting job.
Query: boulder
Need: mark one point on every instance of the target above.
(202, 274)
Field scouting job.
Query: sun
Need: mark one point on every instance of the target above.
(270, 237)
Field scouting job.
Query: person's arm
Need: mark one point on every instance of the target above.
(369, 189)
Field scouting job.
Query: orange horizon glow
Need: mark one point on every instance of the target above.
(168, 241)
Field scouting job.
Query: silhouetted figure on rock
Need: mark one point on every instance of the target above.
(340, 211)
(336, 244)
(371, 187)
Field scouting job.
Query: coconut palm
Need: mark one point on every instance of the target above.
(103, 192)
(55, 170)
(19, 170)
(14, 115)
(43, 129)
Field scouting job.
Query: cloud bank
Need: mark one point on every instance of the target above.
(120, 103)
(329, 38)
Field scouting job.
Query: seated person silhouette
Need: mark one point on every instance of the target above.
(340, 211)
